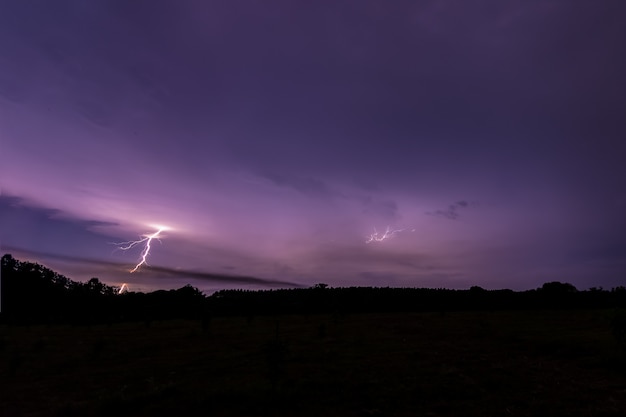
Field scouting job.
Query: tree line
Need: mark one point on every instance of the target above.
(32, 293)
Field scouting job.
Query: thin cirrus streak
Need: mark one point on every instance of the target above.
(147, 239)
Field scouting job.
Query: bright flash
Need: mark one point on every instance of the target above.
(123, 288)
(146, 240)
(379, 236)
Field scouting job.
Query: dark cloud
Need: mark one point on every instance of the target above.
(13, 207)
(453, 210)
(450, 213)
(207, 276)
(154, 272)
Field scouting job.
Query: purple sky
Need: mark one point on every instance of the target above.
(273, 137)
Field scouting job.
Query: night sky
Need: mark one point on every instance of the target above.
(273, 138)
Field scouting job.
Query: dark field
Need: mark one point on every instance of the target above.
(552, 363)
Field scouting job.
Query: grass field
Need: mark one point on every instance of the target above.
(551, 363)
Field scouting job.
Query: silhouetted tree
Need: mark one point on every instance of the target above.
(558, 288)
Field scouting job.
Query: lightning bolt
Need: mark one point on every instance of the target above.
(123, 288)
(147, 241)
(379, 237)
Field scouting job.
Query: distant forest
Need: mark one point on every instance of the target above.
(32, 293)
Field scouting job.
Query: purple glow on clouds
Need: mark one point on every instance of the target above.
(272, 138)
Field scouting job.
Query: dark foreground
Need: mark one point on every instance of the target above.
(553, 363)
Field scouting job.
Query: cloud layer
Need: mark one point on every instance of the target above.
(272, 139)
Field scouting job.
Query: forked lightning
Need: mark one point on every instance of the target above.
(147, 240)
(379, 237)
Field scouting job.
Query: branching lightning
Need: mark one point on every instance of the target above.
(379, 237)
(147, 241)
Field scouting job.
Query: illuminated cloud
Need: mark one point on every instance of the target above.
(273, 140)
